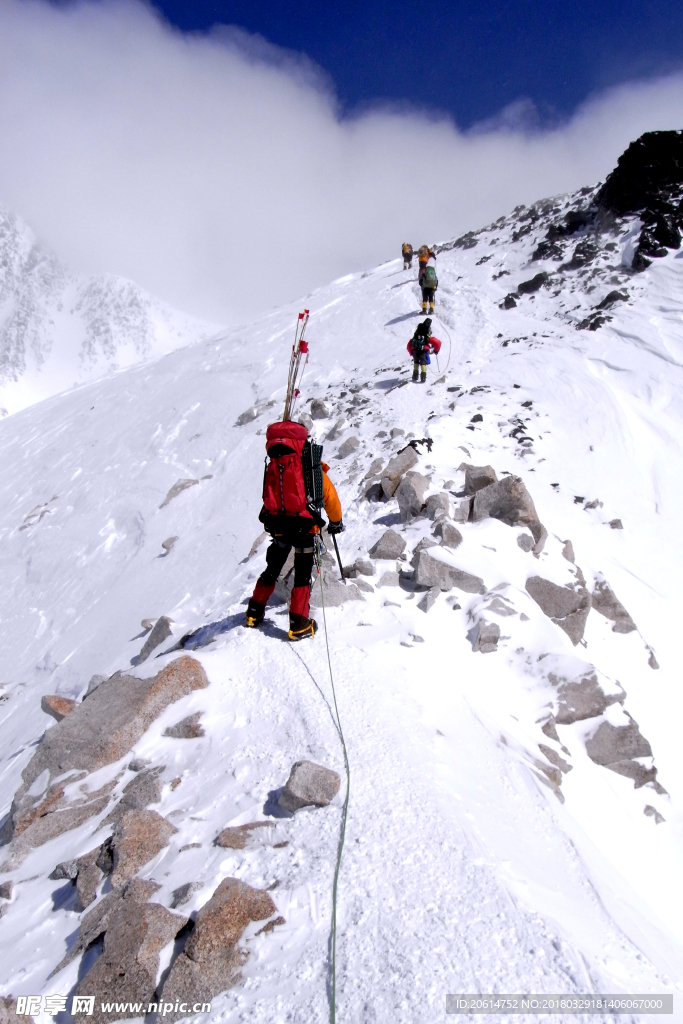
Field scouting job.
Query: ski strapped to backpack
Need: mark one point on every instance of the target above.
(297, 365)
(293, 479)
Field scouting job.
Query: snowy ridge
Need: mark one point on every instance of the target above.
(473, 863)
(58, 329)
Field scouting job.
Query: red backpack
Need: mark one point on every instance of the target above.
(292, 482)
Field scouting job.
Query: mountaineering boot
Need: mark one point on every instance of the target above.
(301, 627)
(257, 603)
(431, 307)
(415, 374)
(423, 378)
(255, 613)
(424, 307)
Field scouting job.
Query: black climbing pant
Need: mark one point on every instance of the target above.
(277, 554)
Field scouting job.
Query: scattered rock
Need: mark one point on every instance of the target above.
(463, 513)
(339, 428)
(374, 469)
(347, 447)
(141, 791)
(438, 505)
(389, 579)
(98, 732)
(509, 302)
(509, 501)
(652, 661)
(138, 836)
(127, 969)
(616, 746)
(188, 728)
(477, 477)
(616, 524)
(486, 637)
(309, 784)
(336, 592)
(168, 544)
(410, 495)
(184, 893)
(137, 764)
(374, 493)
(428, 600)
(568, 551)
(533, 284)
(86, 874)
(611, 298)
(451, 536)
(160, 632)
(652, 812)
(6, 890)
(248, 416)
(235, 837)
(319, 410)
(525, 541)
(433, 570)
(58, 707)
(568, 607)
(211, 961)
(579, 699)
(367, 588)
(178, 487)
(422, 545)
(396, 468)
(499, 606)
(607, 603)
(390, 545)
(555, 758)
(396, 432)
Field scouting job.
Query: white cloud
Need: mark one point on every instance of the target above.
(215, 171)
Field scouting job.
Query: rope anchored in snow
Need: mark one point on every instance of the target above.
(342, 833)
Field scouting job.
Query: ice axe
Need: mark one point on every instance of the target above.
(334, 541)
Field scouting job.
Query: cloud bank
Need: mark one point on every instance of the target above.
(214, 170)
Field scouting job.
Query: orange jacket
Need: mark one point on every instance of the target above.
(423, 254)
(331, 498)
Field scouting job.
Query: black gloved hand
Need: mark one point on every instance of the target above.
(336, 527)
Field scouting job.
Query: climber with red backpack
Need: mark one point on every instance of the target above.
(295, 489)
(420, 346)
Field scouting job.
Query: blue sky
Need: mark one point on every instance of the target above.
(465, 57)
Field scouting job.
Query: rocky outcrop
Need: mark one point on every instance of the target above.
(390, 545)
(395, 470)
(410, 495)
(138, 836)
(485, 637)
(188, 728)
(607, 603)
(85, 873)
(98, 732)
(236, 837)
(336, 592)
(477, 477)
(211, 960)
(160, 632)
(433, 570)
(127, 969)
(319, 409)
(56, 706)
(568, 607)
(509, 501)
(450, 535)
(616, 746)
(348, 447)
(309, 785)
(579, 699)
(143, 790)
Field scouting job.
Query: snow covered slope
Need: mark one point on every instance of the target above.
(473, 862)
(58, 329)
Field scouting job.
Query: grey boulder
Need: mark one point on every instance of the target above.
(616, 746)
(390, 545)
(308, 785)
(579, 699)
(319, 410)
(188, 728)
(568, 607)
(438, 505)
(477, 477)
(485, 637)
(410, 495)
(608, 604)
(450, 535)
(396, 468)
(160, 632)
(348, 447)
(434, 571)
(509, 501)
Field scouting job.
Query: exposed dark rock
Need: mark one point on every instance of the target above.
(160, 632)
(86, 874)
(450, 535)
(646, 174)
(410, 495)
(319, 409)
(616, 524)
(432, 571)
(184, 893)
(509, 501)
(138, 836)
(533, 284)
(509, 302)
(143, 790)
(188, 728)
(396, 468)
(6, 890)
(574, 220)
(486, 637)
(236, 837)
(547, 249)
(56, 706)
(390, 545)
(178, 487)
(467, 241)
(98, 732)
(477, 477)
(211, 961)
(374, 493)
(611, 298)
(127, 969)
(584, 253)
(568, 607)
(616, 746)
(308, 785)
(579, 699)
(348, 447)
(607, 603)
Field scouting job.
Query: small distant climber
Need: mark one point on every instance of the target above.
(295, 487)
(407, 252)
(429, 282)
(420, 347)
(424, 254)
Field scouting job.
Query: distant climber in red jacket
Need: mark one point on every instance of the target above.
(420, 346)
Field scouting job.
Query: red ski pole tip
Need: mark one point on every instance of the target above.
(303, 346)
(301, 316)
